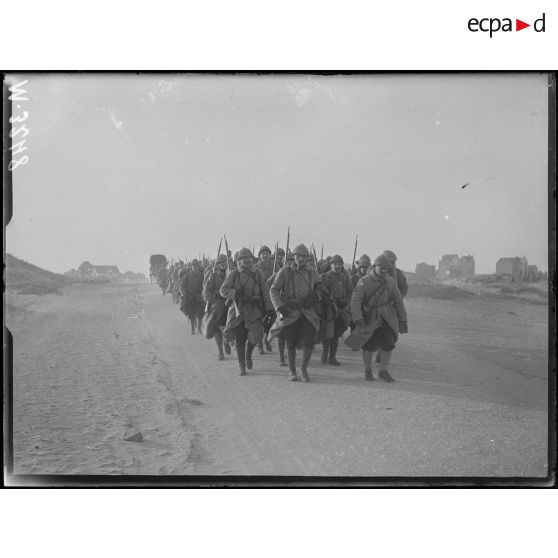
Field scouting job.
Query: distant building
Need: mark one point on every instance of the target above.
(87, 269)
(467, 264)
(426, 270)
(449, 267)
(105, 271)
(516, 267)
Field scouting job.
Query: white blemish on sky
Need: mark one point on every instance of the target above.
(117, 123)
(301, 95)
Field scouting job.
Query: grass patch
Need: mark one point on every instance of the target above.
(439, 292)
(39, 289)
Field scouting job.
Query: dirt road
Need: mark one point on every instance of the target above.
(100, 361)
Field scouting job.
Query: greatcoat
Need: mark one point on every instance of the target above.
(247, 292)
(191, 286)
(338, 289)
(401, 281)
(375, 300)
(291, 287)
(215, 302)
(266, 268)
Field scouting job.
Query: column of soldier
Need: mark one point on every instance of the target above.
(247, 301)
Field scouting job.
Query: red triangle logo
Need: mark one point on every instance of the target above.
(519, 25)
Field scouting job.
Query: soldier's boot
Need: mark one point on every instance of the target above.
(249, 351)
(325, 351)
(306, 354)
(291, 355)
(260, 348)
(281, 343)
(219, 341)
(268, 346)
(193, 326)
(333, 352)
(383, 374)
(367, 358)
(241, 355)
(200, 319)
(227, 346)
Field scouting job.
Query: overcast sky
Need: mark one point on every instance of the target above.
(124, 166)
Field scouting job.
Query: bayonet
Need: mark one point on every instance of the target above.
(354, 252)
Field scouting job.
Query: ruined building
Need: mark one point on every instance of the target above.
(467, 264)
(451, 266)
(426, 270)
(516, 267)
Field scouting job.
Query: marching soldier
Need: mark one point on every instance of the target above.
(399, 277)
(175, 282)
(191, 286)
(280, 259)
(379, 315)
(336, 316)
(216, 317)
(295, 293)
(361, 270)
(234, 261)
(265, 265)
(170, 284)
(248, 299)
(163, 279)
(280, 338)
(396, 273)
(325, 265)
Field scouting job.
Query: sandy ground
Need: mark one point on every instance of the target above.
(101, 361)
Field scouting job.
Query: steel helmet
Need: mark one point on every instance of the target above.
(264, 248)
(364, 261)
(391, 255)
(280, 252)
(382, 259)
(195, 262)
(245, 253)
(221, 258)
(337, 258)
(301, 250)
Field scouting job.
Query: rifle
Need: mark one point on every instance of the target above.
(214, 268)
(287, 248)
(315, 258)
(322, 252)
(275, 258)
(227, 249)
(218, 252)
(354, 253)
(236, 308)
(328, 300)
